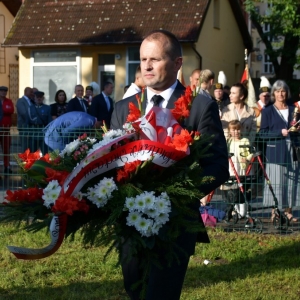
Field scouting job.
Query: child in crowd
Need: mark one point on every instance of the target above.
(241, 158)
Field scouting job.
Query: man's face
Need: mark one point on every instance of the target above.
(159, 72)
(39, 100)
(218, 93)
(265, 97)
(89, 93)
(79, 91)
(194, 80)
(3, 93)
(29, 93)
(108, 89)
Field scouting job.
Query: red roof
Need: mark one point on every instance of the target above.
(80, 22)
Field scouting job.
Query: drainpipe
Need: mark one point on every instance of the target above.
(198, 55)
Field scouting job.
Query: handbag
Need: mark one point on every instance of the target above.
(208, 220)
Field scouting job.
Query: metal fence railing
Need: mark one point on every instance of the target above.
(230, 194)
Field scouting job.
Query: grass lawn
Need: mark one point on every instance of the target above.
(243, 266)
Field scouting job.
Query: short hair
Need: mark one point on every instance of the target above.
(78, 85)
(106, 84)
(243, 89)
(172, 47)
(235, 124)
(58, 92)
(278, 85)
(196, 71)
(206, 75)
(138, 69)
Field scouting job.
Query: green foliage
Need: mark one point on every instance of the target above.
(282, 40)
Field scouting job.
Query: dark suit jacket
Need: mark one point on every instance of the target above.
(75, 105)
(99, 109)
(204, 117)
(270, 131)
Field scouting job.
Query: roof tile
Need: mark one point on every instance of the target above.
(46, 22)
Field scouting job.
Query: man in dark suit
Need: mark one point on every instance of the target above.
(23, 105)
(161, 58)
(102, 105)
(78, 103)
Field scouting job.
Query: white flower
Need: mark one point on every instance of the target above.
(149, 199)
(162, 219)
(98, 146)
(51, 193)
(71, 147)
(101, 192)
(148, 213)
(112, 134)
(92, 141)
(133, 218)
(128, 127)
(163, 205)
(144, 226)
(129, 203)
(139, 203)
(109, 183)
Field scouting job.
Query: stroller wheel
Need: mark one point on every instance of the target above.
(254, 225)
(231, 216)
(280, 221)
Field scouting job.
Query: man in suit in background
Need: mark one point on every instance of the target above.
(78, 103)
(102, 105)
(135, 86)
(23, 105)
(161, 58)
(194, 80)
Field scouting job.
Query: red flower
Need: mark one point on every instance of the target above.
(129, 168)
(29, 158)
(82, 137)
(181, 141)
(134, 113)
(29, 195)
(183, 105)
(60, 176)
(69, 204)
(46, 158)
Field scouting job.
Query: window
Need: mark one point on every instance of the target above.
(133, 60)
(55, 70)
(268, 66)
(217, 14)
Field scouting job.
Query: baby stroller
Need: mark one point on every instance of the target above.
(239, 191)
(239, 194)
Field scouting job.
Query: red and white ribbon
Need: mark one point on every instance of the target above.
(57, 232)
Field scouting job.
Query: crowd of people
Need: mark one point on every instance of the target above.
(223, 114)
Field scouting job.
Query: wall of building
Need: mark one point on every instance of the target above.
(222, 49)
(8, 55)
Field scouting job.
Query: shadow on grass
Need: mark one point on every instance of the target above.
(102, 290)
(198, 276)
(282, 258)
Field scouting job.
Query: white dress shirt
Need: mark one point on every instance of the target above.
(166, 94)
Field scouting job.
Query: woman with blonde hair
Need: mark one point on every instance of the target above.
(207, 78)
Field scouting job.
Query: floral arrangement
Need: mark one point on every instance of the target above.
(136, 184)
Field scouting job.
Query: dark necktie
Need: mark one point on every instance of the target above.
(156, 99)
(82, 104)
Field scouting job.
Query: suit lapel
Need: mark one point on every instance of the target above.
(178, 92)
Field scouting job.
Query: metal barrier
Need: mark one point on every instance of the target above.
(254, 186)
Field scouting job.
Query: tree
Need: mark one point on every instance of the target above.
(283, 38)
